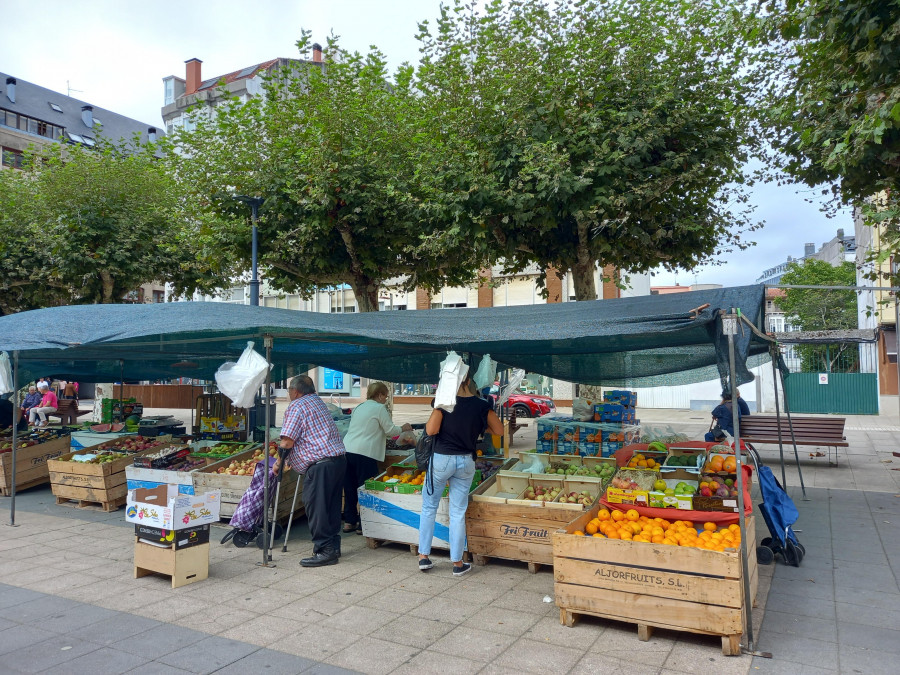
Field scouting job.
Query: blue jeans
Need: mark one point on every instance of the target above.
(459, 470)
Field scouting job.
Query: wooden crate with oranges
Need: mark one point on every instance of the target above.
(678, 574)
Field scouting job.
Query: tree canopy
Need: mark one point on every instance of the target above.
(819, 309)
(834, 105)
(575, 133)
(87, 225)
(339, 153)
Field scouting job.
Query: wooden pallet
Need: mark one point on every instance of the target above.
(481, 560)
(107, 507)
(373, 542)
(7, 491)
(731, 644)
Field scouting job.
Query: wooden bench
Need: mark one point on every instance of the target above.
(67, 411)
(820, 431)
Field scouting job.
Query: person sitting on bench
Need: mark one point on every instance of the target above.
(723, 419)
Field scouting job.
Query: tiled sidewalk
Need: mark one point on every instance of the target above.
(49, 634)
(840, 610)
(374, 612)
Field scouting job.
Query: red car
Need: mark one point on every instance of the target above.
(527, 405)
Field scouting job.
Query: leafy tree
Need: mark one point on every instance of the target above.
(91, 225)
(815, 310)
(835, 99)
(582, 132)
(25, 282)
(340, 154)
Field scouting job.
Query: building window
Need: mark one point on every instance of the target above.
(159, 296)
(448, 305)
(55, 107)
(11, 158)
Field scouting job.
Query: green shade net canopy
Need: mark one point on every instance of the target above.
(641, 341)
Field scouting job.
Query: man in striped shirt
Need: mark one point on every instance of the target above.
(309, 432)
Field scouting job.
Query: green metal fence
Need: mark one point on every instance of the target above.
(839, 393)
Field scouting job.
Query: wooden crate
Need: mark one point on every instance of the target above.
(31, 464)
(92, 484)
(185, 566)
(517, 529)
(234, 487)
(652, 585)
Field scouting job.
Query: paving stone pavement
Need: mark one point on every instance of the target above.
(67, 581)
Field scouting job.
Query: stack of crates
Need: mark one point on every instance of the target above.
(547, 434)
(616, 413)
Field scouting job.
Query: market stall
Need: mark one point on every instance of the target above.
(641, 341)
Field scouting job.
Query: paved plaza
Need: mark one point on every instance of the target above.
(69, 602)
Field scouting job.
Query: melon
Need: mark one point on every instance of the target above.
(100, 428)
(116, 427)
(133, 420)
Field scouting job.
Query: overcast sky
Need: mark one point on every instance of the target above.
(116, 52)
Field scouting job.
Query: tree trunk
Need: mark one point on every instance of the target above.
(584, 282)
(366, 292)
(584, 267)
(107, 290)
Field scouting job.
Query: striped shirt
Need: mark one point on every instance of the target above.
(308, 423)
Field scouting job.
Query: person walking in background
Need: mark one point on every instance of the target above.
(68, 390)
(49, 404)
(370, 427)
(454, 460)
(316, 450)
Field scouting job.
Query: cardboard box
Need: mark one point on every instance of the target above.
(620, 496)
(189, 536)
(660, 500)
(164, 507)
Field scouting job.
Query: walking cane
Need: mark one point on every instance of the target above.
(287, 532)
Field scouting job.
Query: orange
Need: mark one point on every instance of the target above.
(603, 514)
(710, 527)
(618, 515)
(590, 528)
(578, 533)
(642, 463)
(651, 463)
(597, 534)
(657, 539)
(612, 534)
(635, 528)
(631, 514)
(625, 535)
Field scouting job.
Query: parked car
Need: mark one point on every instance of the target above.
(526, 405)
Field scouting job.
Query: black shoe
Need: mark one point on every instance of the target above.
(462, 569)
(425, 564)
(321, 559)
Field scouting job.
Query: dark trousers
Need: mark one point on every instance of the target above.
(359, 469)
(322, 499)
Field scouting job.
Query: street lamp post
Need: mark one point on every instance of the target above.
(254, 203)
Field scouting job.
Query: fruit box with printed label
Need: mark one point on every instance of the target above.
(666, 497)
(164, 507)
(186, 538)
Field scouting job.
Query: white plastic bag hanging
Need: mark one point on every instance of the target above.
(514, 381)
(487, 371)
(6, 378)
(453, 371)
(241, 380)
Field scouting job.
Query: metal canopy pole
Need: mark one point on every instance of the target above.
(729, 328)
(267, 556)
(787, 410)
(778, 418)
(12, 501)
(121, 389)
